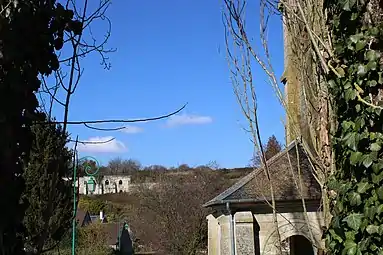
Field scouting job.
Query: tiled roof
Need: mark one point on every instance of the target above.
(255, 186)
(113, 230)
(82, 217)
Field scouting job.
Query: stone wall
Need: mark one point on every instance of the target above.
(289, 224)
(255, 233)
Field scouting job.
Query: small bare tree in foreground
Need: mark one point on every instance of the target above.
(306, 101)
(173, 212)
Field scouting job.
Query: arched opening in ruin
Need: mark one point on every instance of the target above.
(297, 245)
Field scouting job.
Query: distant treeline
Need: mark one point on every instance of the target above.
(153, 173)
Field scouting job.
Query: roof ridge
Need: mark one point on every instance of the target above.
(247, 178)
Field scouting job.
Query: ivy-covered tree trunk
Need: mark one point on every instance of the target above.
(30, 32)
(356, 85)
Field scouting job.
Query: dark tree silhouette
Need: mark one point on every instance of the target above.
(49, 214)
(31, 31)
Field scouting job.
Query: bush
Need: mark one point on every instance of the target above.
(92, 205)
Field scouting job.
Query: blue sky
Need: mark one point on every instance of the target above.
(169, 53)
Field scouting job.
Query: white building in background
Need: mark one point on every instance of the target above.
(108, 184)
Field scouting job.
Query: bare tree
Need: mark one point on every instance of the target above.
(79, 44)
(306, 102)
(156, 168)
(120, 166)
(177, 201)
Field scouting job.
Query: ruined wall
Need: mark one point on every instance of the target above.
(108, 184)
(255, 233)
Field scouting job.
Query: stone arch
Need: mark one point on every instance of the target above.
(107, 182)
(120, 182)
(293, 228)
(298, 245)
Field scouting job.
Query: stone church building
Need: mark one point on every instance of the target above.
(242, 220)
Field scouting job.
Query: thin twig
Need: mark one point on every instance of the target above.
(90, 142)
(104, 129)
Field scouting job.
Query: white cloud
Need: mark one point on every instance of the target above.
(95, 144)
(188, 119)
(129, 129)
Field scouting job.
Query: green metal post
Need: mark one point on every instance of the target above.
(91, 174)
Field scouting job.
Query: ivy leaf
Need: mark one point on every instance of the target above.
(380, 209)
(362, 70)
(351, 141)
(371, 65)
(375, 147)
(363, 187)
(374, 31)
(331, 244)
(379, 192)
(340, 71)
(372, 55)
(350, 94)
(332, 84)
(373, 247)
(359, 122)
(354, 221)
(380, 230)
(349, 247)
(350, 235)
(376, 167)
(370, 212)
(354, 15)
(372, 229)
(355, 157)
(333, 183)
(335, 235)
(377, 178)
(344, 188)
(347, 125)
(367, 160)
(355, 38)
(348, 4)
(355, 199)
(380, 81)
(363, 245)
(360, 45)
(339, 206)
(372, 83)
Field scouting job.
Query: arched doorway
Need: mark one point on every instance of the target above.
(297, 245)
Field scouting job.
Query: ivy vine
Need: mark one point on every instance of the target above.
(31, 32)
(356, 86)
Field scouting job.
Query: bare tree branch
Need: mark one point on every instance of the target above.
(104, 129)
(82, 122)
